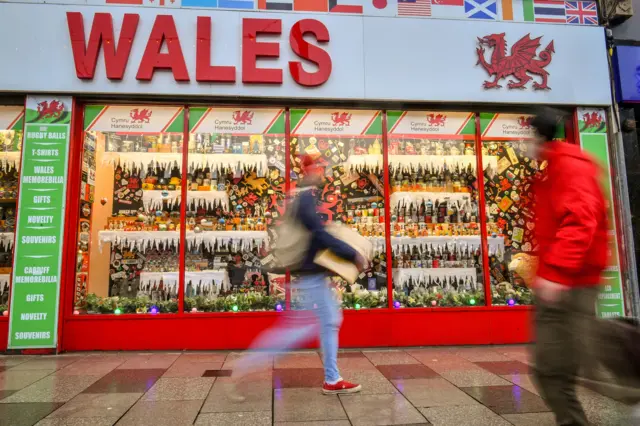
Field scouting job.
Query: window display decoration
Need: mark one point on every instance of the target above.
(10, 160)
(235, 190)
(211, 200)
(451, 299)
(4, 291)
(255, 202)
(159, 144)
(236, 181)
(6, 238)
(435, 210)
(234, 162)
(349, 144)
(143, 240)
(11, 132)
(509, 199)
(136, 130)
(361, 162)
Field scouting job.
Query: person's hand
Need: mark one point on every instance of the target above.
(361, 262)
(548, 291)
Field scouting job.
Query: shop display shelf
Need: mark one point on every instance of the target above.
(153, 199)
(217, 275)
(496, 242)
(170, 279)
(223, 161)
(220, 161)
(142, 239)
(440, 160)
(408, 160)
(409, 197)
(402, 275)
(8, 200)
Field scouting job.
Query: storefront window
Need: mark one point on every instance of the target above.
(134, 174)
(11, 124)
(436, 243)
(236, 180)
(509, 201)
(128, 237)
(349, 144)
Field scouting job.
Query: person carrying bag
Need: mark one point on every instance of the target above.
(306, 247)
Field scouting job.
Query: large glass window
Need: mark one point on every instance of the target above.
(128, 244)
(236, 179)
(349, 144)
(509, 201)
(11, 124)
(134, 226)
(436, 243)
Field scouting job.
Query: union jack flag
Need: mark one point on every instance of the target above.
(581, 12)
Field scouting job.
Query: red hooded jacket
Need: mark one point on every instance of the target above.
(571, 218)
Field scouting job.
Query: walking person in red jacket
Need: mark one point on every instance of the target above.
(571, 230)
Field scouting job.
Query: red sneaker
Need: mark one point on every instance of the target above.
(341, 387)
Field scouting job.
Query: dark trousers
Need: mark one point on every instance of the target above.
(564, 340)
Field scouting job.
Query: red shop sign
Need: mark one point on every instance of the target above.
(116, 55)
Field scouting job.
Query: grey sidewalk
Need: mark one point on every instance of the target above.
(456, 386)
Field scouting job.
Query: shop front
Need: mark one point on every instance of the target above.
(154, 153)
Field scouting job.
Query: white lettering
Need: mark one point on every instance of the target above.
(39, 199)
(39, 219)
(32, 335)
(35, 297)
(33, 317)
(37, 135)
(45, 170)
(46, 152)
(36, 270)
(42, 179)
(39, 240)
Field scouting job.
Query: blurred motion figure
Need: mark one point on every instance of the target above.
(571, 229)
(321, 314)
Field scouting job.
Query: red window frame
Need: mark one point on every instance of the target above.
(74, 189)
(389, 334)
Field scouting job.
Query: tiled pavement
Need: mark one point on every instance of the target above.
(458, 386)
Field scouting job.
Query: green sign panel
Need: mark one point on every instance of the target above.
(40, 227)
(593, 139)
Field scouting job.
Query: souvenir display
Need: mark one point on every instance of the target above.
(348, 144)
(509, 199)
(434, 208)
(11, 122)
(137, 169)
(234, 188)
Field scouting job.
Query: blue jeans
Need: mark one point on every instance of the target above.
(298, 327)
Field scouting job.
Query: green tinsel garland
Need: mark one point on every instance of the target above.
(242, 302)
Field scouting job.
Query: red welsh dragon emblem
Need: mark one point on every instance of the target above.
(519, 64)
(140, 116)
(591, 120)
(242, 117)
(341, 119)
(525, 122)
(51, 109)
(436, 120)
